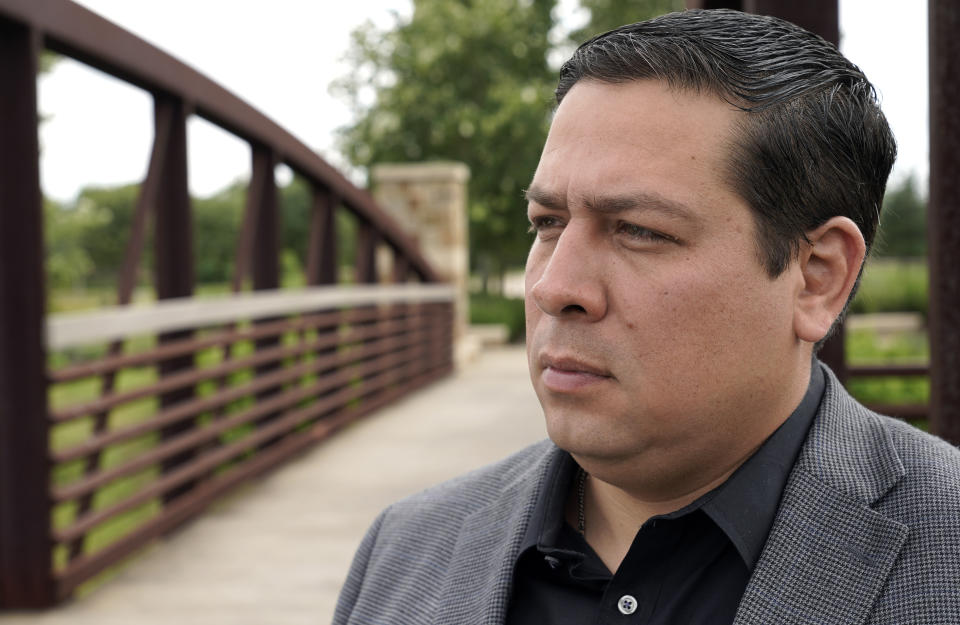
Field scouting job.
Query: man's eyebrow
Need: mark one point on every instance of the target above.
(639, 200)
(613, 204)
(554, 201)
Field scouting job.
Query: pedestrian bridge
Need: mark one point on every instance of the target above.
(278, 550)
(119, 425)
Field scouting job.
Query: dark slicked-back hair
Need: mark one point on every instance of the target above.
(812, 143)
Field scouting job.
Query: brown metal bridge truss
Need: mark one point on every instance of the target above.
(282, 379)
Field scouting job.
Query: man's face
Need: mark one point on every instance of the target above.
(655, 337)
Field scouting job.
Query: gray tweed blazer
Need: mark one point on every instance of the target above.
(867, 532)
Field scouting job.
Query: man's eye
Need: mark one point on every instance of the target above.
(542, 223)
(643, 234)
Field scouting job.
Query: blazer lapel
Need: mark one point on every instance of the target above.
(477, 586)
(829, 553)
(825, 561)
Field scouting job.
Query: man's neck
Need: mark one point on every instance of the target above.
(613, 516)
(619, 497)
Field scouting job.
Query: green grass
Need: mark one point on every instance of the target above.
(75, 432)
(892, 285)
(72, 433)
(66, 435)
(866, 347)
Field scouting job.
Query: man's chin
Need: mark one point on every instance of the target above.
(590, 443)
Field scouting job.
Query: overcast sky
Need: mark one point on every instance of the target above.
(281, 56)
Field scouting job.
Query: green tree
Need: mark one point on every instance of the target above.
(104, 238)
(903, 222)
(68, 263)
(216, 227)
(608, 14)
(86, 240)
(461, 80)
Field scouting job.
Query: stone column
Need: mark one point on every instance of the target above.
(430, 201)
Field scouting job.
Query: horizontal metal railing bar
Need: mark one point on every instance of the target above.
(74, 31)
(211, 460)
(888, 370)
(193, 407)
(194, 376)
(219, 338)
(194, 438)
(75, 329)
(309, 322)
(190, 504)
(179, 511)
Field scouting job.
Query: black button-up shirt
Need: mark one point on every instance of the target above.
(690, 566)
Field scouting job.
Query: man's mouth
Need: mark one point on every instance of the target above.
(565, 374)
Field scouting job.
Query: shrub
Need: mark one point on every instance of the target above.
(489, 308)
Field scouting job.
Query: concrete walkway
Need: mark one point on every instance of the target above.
(277, 553)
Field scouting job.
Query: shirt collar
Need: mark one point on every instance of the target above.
(548, 514)
(743, 507)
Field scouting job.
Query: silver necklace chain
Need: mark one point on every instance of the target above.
(581, 496)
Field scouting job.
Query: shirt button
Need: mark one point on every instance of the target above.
(627, 604)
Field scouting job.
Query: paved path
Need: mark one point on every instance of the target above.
(277, 553)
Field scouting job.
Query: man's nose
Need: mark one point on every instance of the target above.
(571, 283)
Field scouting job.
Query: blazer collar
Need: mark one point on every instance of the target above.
(488, 544)
(829, 553)
(826, 558)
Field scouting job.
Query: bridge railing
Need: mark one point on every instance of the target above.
(267, 375)
(118, 425)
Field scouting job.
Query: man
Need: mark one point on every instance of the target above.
(704, 203)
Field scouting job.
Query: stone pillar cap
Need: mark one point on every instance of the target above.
(434, 171)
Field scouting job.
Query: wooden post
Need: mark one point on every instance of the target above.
(165, 117)
(266, 242)
(943, 225)
(173, 255)
(25, 543)
(263, 212)
(173, 235)
(401, 268)
(322, 266)
(818, 16)
(823, 18)
(833, 352)
(366, 262)
(715, 4)
(322, 252)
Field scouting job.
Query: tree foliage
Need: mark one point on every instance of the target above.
(608, 14)
(903, 222)
(461, 80)
(86, 240)
(68, 264)
(216, 227)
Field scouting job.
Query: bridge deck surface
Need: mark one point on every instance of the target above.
(277, 551)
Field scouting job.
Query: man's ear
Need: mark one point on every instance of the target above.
(830, 264)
